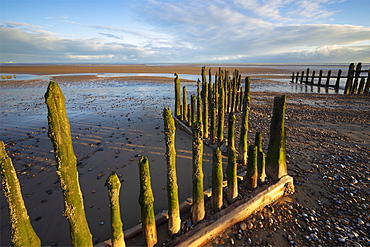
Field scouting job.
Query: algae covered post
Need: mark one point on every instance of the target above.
(198, 192)
(243, 141)
(174, 221)
(217, 179)
(276, 153)
(146, 201)
(177, 96)
(60, 135)
(21, 230)
(232, 183)
(114, 185)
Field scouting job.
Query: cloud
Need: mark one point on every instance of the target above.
(111, 35)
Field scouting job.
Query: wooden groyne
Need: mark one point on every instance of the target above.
(357, 79)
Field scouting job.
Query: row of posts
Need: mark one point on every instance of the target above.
(225, 96)
(355, 82)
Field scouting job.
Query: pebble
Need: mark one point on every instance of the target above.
(238, 236)
(243, 226)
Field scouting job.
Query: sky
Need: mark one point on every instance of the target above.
(184, 31)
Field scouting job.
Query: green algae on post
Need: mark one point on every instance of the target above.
(114, 185)
(60, 136)
(174, 221)
(232, 182)
(260, 158)
(243, 142)
(198, 212)
(146, 201)
(177, 96)
(217, 180)
(252, 171)
(276, 153)
(21, 230)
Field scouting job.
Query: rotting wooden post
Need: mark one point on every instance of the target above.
(232, 183)
(146, 201)
(320, 78)
(60, 135)
(185, 105)
(361, 86)
(200, 110)
(297, 76)
(349, 81)
(336, 87)
(205, 112)
(292, 81)
(177, 96)
(114, 185)
(252, 170)
(217, 180)
(302, 75)
(260, 158)
(327, 84)
(198, 211)
(221, 117)
(193, 109)
(357, 75)
(313, 78)
(189, 115)
(307, 74)
(276, 154)
(213, 127)
(174, 221)
(367, 86)
(21, 230)
(243, 140)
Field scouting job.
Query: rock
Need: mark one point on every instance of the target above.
(238, 236)
(243, 226)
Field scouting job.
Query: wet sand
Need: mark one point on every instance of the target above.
(116, 120)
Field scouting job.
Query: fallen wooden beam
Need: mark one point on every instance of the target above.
(240, 210)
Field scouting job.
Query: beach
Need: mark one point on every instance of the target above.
(116, 120)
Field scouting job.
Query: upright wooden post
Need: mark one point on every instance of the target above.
(338, 80)
(193, 109)
(177, 96)
(205, 112)
(307, 74)
(21, 230)
(114, 185)
(320, 78)
(213, 127)
(276, 154)
(190, 118)
(260, 159)
(367, 86)
(174, 221)
(60, 136)
(198, 211)
(217, 180)
(146, 201)
(313, 78)
(292, 81)
(232, 183)
(185, 105)
(297, 76)
(243, 140)
(221, 117)
(357, 75)
(252, 170)
(327, 84)
(351, 71)
(302, 75)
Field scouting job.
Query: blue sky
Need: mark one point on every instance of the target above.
(185, 31)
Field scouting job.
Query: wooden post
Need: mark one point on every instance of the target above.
(146, 201)
(320, 78)
(232, 183)
(193, 109)
(367, 86)
(177, 96)
(276, 154)
(327, 84)
(198, 211)
(361, 86)
(60, 136)
(350, 75)
(114, 185)
(205, 112)
(307, 74)
(217, 180)
(221, 117)
(174, 221)
(185, 105)
(313, 78)
(338, 80)
(302, 75)
(189, 115)
(292, 81)
(260, 158)
(297, 76)
(213, 127)
(21, 230)
(252, 171)
(243, 140)
(357, 75)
